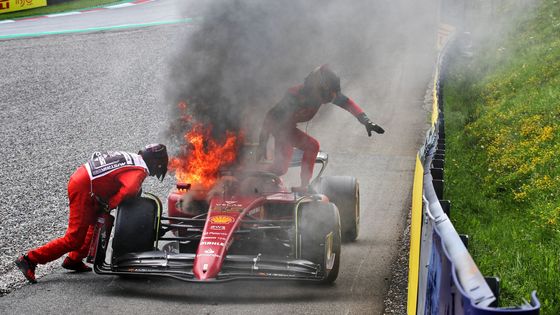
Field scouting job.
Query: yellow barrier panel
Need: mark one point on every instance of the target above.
(435, 110)
(415, 235)
(18, 5)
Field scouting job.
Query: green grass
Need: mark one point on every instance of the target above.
(57, 8)
(502, 111)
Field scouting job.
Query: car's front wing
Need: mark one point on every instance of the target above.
(235, 267)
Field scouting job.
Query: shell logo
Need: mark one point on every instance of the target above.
(222, 219)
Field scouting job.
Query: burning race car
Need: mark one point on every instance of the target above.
(251, 227)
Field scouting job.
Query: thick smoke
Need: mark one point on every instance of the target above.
(243, 55)
(234, 61)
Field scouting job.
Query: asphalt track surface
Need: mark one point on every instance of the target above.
(65, 96)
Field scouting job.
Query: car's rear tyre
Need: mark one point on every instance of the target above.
(135, 227)
(344, 192)
(319, 237)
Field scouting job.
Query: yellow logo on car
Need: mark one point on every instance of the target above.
(222, 219)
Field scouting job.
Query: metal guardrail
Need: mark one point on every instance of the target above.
(443, 277)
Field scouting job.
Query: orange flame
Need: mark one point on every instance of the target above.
(205, 156)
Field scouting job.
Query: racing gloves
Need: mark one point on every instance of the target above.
(370, 126)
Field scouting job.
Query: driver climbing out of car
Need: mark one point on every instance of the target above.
(300, 104)
(100, 184)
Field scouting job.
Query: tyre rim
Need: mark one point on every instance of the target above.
(357, 210)
(330, 255)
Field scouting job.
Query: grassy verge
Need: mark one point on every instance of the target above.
(502, 111)
(57, 8)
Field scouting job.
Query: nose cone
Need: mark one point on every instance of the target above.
(207, 264)
(201, 272)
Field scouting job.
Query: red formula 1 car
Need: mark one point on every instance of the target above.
(255, 227)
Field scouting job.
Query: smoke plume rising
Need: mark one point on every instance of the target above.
(243, 55)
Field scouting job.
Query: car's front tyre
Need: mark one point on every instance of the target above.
(318, 227)
(135, 227)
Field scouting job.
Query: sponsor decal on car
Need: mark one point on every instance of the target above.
(208, 255)
(227, 209)
(222, 219)
(215, 233)
(213, 243)
(217, 227)
(209, 251)
(232, 209)
(229, 204)
(210, 238)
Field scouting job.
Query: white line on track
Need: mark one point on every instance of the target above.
(122, 5)
(63, 14)
(6, 21)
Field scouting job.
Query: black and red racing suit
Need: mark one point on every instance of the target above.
(297, 106)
